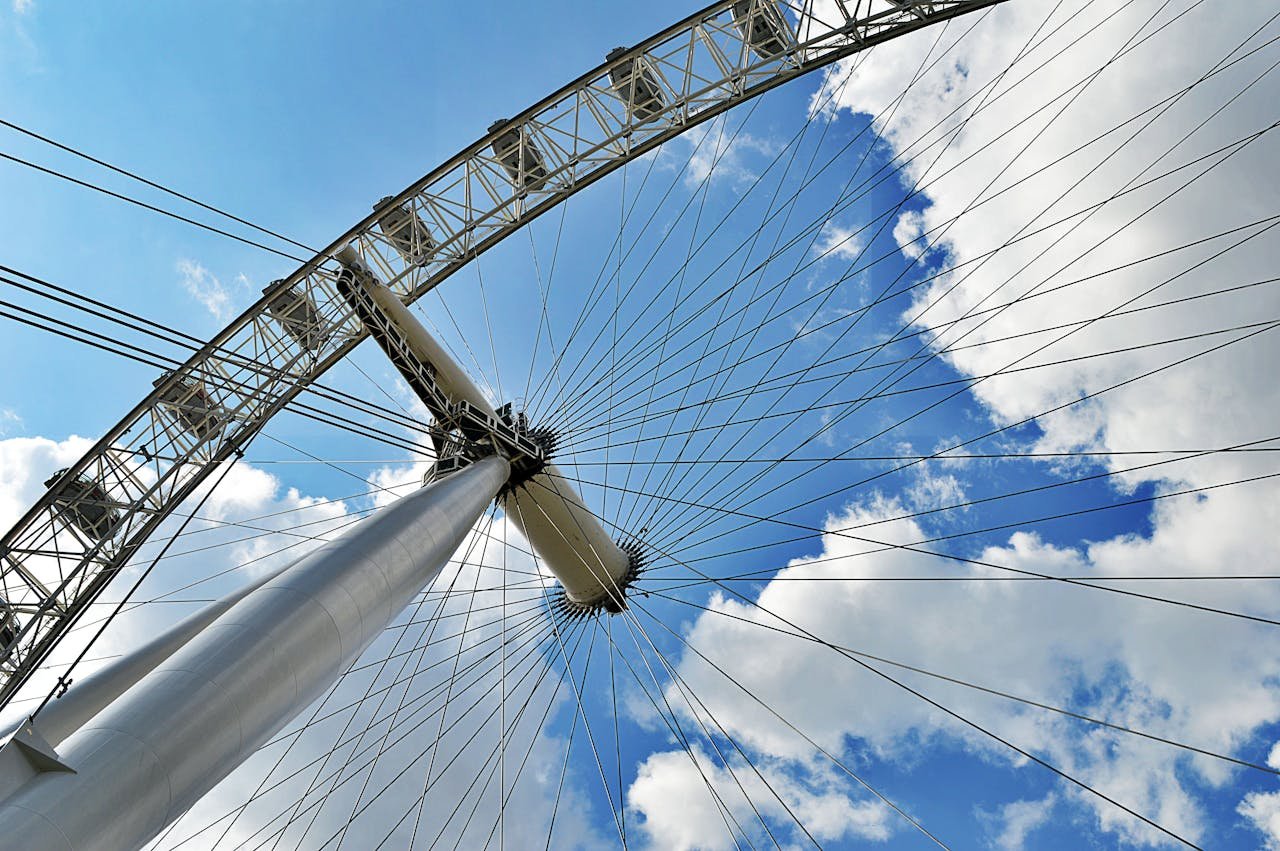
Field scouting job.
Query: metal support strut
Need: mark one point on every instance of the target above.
(540, 500)
(141, 761)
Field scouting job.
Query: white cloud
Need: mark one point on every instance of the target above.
(721, 152)
(908, 232)
(1016, 821)
(1153, 665)
(1194, 677)
(1200, 679)
(9, 420)
(839, 243)
(23, 7)
(1262, 809)
(679, 812)
(219, 299)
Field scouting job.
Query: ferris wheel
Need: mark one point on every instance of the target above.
(675, 468)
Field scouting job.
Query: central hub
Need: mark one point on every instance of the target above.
(539, 499)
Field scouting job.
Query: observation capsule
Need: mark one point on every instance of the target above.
(520, 159)
(763, 27)
(297, 314)
(636, 84)
(190, 404)
(86, 504)
(406, 231)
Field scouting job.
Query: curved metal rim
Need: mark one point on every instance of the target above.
(909, 16)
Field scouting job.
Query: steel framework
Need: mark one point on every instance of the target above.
(96, 514)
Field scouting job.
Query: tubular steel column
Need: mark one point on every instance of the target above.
(153, 752)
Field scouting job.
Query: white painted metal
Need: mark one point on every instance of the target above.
(547, 509)
(569, 538)
(89, 696)
(155, 751)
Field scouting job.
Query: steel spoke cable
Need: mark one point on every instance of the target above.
(599, 289)
(307, 261)
(1036, 351)
(697, 717)
(765, 576)
(911, 548)
(672, 720)
(533, 741)
(835, 760)
(311, 786)
(1041, 519)
(476, 540)
(820, 222)
(536, 393)
(104, 342)
(317, 716)
(108, 344)
(617, 737)
(673, 517)
(1222, 291)
(1230, 290)
(675, 481)
(564, 771)
(601, 283)
(739, 201)
(919, 388)
(342, 781)
(960, 506)
(989, 690)
(577, 696)
(157, 330)
(297, 772)
(544, 293)
(750, 249)
(895, 253)
(543, 671)
(703, 194)
(820, 107)
(449, 692)
(531, 651)
(1068, 333)
(615, 593)
(701, 709)
(795, 141)
(973, 724)
(502, 798)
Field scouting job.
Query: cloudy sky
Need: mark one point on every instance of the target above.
(938, 387)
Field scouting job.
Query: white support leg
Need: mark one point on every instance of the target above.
(142, 761)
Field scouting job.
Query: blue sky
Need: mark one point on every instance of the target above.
(300, 116)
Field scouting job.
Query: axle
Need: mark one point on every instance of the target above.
(540, 500)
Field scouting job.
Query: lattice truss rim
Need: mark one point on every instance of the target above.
(97, 513)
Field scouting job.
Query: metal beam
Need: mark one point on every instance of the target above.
(545, 506)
